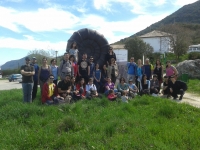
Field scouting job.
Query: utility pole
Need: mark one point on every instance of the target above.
(56, 56)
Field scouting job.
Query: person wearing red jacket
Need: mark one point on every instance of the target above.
(49, 92)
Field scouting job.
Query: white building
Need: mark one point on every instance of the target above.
(160, 41)
(194, 48)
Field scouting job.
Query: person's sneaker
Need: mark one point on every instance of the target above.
(180, 98)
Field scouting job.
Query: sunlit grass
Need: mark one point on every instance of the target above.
(143, 123)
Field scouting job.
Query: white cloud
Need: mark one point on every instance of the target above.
(41, 20)
(31, 44)
(137, 7)
(183, 2)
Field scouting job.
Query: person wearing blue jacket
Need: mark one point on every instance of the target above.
(131, 70)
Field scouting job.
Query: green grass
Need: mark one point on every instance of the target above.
(144, 123)
(194, 86)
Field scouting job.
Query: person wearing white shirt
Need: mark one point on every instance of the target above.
(91, 90)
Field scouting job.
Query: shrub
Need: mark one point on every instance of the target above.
(194, 55)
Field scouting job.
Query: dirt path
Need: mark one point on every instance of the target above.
(189, 98)
(192, 99)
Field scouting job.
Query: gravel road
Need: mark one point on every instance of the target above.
(6, 85)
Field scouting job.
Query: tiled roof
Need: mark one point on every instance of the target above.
(155, 33)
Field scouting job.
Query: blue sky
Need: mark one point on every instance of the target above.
(27, 25)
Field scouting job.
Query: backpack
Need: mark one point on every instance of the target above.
(63, 62)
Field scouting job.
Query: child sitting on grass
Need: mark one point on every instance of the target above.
(111, 95)
(124, 97)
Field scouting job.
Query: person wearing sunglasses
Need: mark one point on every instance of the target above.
(49, 92)
(27, 72)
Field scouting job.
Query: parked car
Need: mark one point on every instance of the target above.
(15, 77)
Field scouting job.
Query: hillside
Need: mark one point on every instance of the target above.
(15, 64)
(187, 16)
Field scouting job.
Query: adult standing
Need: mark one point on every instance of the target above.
(131, 70)
(113, 70)
(139, 73)
(27, 72)
(170, 70)
(66, 67)
(92, 66)
(110, 55)
(104, 75)
(74, 64)
(84, 68)
(97, 77)
(158, 70)
(44, 72)
(54, 71)
(35, 77)
(74, 51)
(148, 71)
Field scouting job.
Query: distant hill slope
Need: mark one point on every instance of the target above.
(188, 14)
(14, 64)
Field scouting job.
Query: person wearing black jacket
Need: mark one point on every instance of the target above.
(177, 87)
(110, 55)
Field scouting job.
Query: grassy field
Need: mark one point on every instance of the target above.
(194, 86)
(143, 123)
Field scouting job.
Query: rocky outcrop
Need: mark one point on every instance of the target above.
(191, 67)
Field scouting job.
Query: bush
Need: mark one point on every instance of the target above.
(194, 55)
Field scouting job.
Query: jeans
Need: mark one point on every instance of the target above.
(27, 92)
(35, 87)
(107, 91)
(130, 76)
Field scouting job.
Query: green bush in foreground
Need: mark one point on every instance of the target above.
(144, 123)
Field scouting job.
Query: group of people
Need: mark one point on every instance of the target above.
(80, 78)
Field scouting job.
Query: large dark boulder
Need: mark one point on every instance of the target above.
(90, 42)
(191, 67)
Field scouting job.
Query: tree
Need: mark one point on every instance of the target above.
(179, 38)
(39, 54)
(137, 48)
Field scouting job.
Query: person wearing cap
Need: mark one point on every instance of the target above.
(177, 87)
(131, 70)
(110, 55)
(132, 88)
(27, 72)
(35, 77)
(154, 85)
